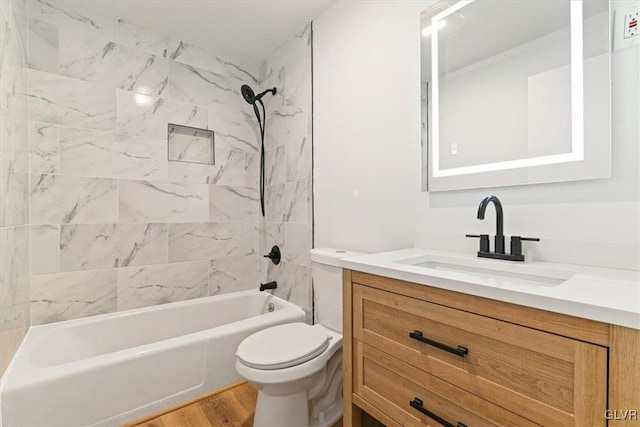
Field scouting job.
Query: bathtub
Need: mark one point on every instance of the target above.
(112, 368)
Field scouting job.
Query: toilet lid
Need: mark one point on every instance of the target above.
(282, 346)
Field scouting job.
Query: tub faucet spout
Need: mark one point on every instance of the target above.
(269, 285)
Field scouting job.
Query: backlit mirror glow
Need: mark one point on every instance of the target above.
(504, 89)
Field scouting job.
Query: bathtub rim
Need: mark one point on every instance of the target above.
(155, 308)
(35, 374)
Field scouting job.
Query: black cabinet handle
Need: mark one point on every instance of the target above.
(417, 404)
(460, 351)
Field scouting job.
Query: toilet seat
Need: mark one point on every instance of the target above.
(282, 346)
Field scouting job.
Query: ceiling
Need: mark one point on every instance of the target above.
(250, 30)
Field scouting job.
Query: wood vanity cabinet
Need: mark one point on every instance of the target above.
(420, 355)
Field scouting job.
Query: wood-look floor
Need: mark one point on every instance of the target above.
(232, 406)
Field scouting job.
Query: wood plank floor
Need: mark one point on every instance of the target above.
(231, 406)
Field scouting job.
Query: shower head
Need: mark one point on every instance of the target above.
(252, 99)
(249, 95)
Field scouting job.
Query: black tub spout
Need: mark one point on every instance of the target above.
(269, 285)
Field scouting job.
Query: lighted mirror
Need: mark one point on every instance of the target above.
(515, 92)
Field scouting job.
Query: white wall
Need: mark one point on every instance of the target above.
(367, 142)
(366, 125)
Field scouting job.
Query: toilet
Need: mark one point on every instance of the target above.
(297, 368)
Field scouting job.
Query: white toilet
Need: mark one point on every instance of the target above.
(296, 367)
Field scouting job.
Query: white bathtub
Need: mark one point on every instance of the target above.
(112, 368)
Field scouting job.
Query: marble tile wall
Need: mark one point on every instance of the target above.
(14, 180)
(93, 216)
(288, 145)
(113, 224)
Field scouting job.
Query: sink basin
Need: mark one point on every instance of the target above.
(497, 272)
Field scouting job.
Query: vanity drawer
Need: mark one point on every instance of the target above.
(546, 378)
(394, 387)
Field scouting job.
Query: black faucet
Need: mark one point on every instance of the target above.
(499, 239)
(269, 285)
(498, 250)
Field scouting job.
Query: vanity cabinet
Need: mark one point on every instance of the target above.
(421, 355)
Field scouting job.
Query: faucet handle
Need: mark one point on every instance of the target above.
(516, 243)
(274, 255)
(484, 241)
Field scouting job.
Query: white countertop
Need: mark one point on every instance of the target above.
(606, 295)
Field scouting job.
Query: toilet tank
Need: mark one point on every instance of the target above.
(327, 285)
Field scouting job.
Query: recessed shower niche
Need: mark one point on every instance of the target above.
(191, 145)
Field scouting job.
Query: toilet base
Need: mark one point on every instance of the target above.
(280, 411)
(304, 395)
(315, 401)
(329, 417)
(292, 411)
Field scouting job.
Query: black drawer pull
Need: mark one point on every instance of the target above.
(417, 404)
(460, 351)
